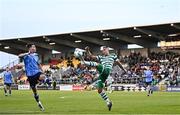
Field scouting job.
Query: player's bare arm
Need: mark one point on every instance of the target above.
(22, 55)
(120, 65)
(89, 54)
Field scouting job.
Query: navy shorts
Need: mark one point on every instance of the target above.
(33, 80)
(148, 83)
(7, 84)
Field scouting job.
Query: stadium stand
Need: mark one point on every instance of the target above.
(62, 68)
(70, 71)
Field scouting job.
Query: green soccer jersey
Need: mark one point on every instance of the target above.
(107, 61)
(105, 67)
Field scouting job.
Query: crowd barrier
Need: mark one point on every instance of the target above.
(173, 89)
(115, 87)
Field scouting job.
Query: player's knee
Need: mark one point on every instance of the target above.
(99, 67)
(42, 77)
(33, 87)
(99, 90)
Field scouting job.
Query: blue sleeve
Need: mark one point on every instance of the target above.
(36, 57)
(11, 74)
(24, 57)
(38, 60)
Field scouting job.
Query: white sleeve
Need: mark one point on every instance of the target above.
(98, 57)
(116, 58)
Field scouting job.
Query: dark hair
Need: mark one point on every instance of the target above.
(29, 45)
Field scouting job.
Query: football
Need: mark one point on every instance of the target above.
(78, 52)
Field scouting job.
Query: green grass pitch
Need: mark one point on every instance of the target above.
(89, 102)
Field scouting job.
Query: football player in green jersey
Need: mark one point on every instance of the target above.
(104, 67)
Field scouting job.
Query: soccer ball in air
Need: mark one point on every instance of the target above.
(79, 52)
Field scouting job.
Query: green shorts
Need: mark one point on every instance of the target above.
(103, 75)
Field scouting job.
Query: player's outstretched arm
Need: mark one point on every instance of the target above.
(22, 55)
(120, 65)
(89, 53)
